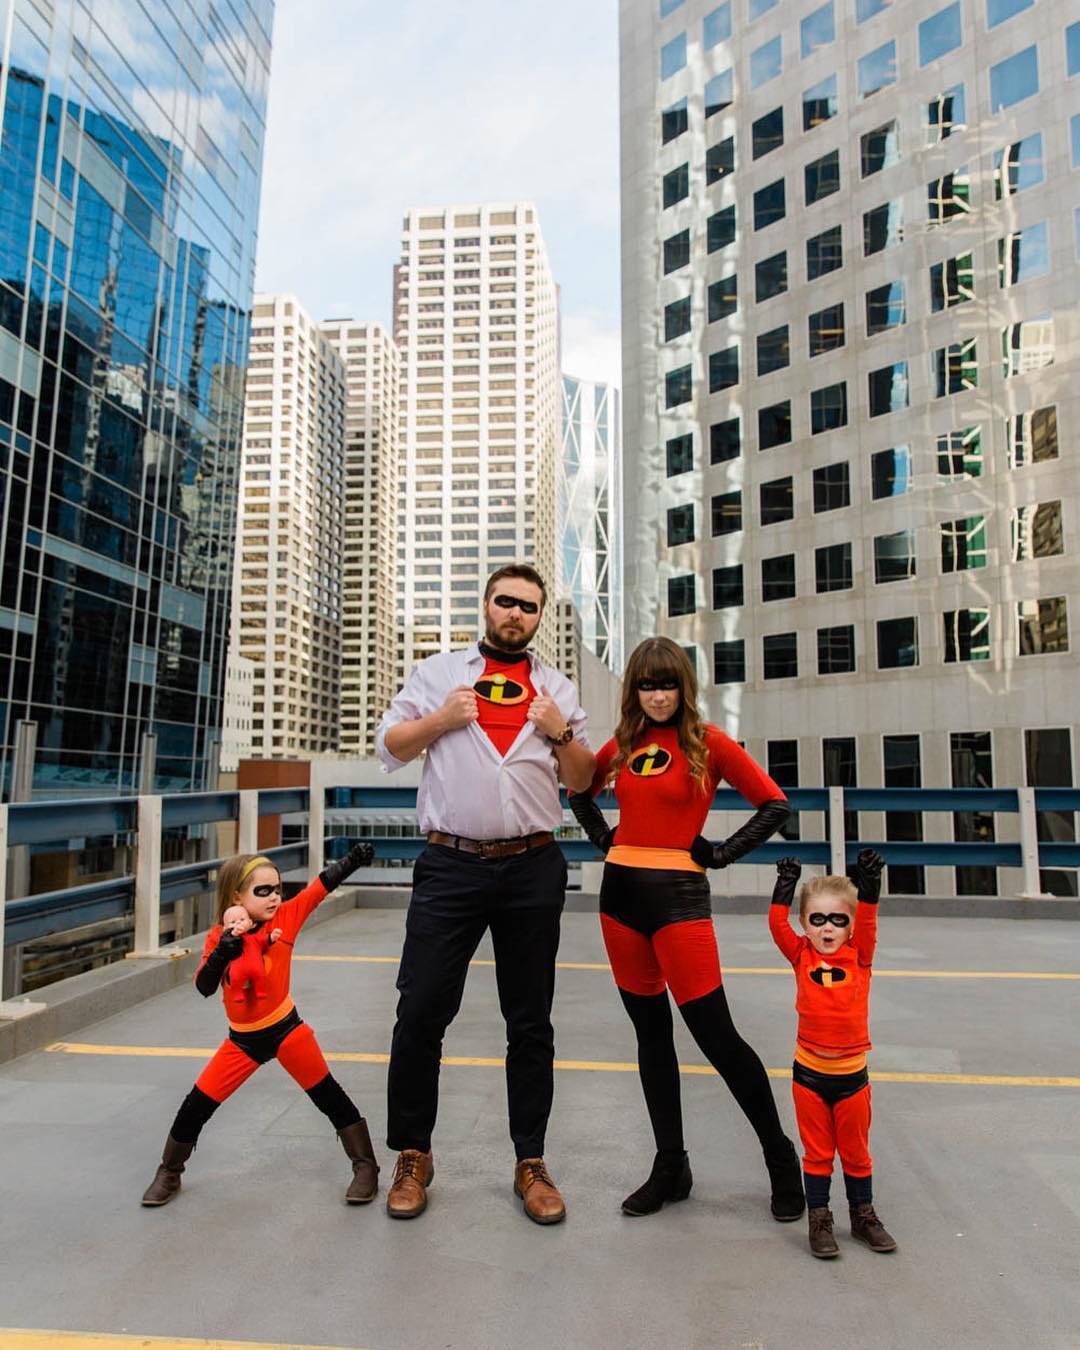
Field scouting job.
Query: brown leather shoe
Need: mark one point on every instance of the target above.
(413, 1174)
(822, 1238)
(539, 1194)
(166, 1180)
(356, 1141)
(867, 1227)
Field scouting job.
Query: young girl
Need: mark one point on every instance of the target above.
(263, 1021)
(656, 908)
(829, 1080)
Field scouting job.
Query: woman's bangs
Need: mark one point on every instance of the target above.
(658, 664)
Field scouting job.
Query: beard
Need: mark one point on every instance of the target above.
(507, 640)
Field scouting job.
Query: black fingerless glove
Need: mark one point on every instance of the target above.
(764, 823)
(209, 974)
(865, 875)
(788, 872)
(333, 874)
(591, 819)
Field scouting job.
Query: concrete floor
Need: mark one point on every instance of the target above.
(979, 1183)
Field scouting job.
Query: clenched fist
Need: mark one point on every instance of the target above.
(545, 715)
(460, 708)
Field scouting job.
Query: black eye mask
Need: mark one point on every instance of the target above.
(510, 601)
(648, 686)
(820, 920)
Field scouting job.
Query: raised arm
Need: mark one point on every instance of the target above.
(788, 871)
(866, 876)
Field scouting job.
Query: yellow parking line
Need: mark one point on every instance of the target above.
(762, 970)
(11, 1338)
(587, 1065)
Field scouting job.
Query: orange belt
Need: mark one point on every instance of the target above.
(809, 1060)
(663, 859)
(282, 1010)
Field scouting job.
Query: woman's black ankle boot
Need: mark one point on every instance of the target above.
(785, 1175)
(670, 1179)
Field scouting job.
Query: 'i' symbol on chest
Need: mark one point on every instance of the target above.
(650, 761)
(827, 976)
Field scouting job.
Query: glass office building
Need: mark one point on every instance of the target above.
(130, 170)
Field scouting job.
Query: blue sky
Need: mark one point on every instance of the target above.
(375, 107)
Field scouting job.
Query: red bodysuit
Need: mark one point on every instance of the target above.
(504, 693)
(248, 972)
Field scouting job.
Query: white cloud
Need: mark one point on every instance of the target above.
(591, 348)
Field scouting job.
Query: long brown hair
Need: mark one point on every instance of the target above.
(232, 875)
(658, 658)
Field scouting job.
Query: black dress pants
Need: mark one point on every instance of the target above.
(456, 897)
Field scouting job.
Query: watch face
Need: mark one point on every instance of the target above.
(500, 688)
(649, 762)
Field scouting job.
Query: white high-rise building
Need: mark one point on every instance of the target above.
(370, 639)
(287, 605)
(851, 362)
(476, 323)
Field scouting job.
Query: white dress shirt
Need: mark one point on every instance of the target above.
(467, 788)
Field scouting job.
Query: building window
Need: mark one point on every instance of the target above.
(669, 7)
(681, 595)
(890, 472)
(822, 177)
(888, 389)
(945, 114)
(719, 92)
(824, 253)
(720, 230)
(727, 587)
(1048, 756)
(959, 454)
(1028, 345)
(1014, 79)
(773, 350)
(876, 70)
(817, 30)
(1018, 166)
(967, 635)
(963, 544)
(836, 650)
(832, 568)
(1074, 137)
(723, 369)
(838, 770)
(769, 205)
(866, 9)
(955, 368)
(894, 557)
(886, 307)
(1023, 255)
(774, 425)
(883, 227)
(832, 487)
(1072, 49)
(777, 501)
(726, 511)
(783, 768)
(676, 251)
(678, 387)
(723, 298)
(676, 318)
(768, 133)
(902, 768)
(940, 33)
(826, 329)
(680, 455)
(778, 577)
(720, 160)
(729, 662)
(673, 57)
(897, 643)
(716, 26)
(759, 7)
(820, 103)
(1044, 626)
(828, 408)
(952, 282)
(1031, 438)
(949, 196)
(971, 759)
(680, 525)
(766, 63)
(674, 121)
(879, 149)
(725, 441)
(770, 277)
(780, 656)
(1037, 531)
(676, 185)
(997, 11)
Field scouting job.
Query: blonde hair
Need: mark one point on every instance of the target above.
(841, 887)
(232, 876)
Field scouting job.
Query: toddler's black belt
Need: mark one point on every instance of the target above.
(492, 848)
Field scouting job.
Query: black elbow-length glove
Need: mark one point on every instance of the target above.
(333, 874)
(591, 819)
(764, 823)
(210, 973)
(865, 874)
(788, 872)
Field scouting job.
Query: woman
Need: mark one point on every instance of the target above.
(656, 913)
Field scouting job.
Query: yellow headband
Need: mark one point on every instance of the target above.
(250, 867)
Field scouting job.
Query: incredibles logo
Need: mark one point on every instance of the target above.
(827, 976)
(499, 688)
(649, 762)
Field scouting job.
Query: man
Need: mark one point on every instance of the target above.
(500, 730)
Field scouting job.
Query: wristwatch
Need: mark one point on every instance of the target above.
(564, 737)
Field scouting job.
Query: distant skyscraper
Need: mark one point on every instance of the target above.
(476, 321)
(127, 241)
(292, 516)
(370, 638)
(589, 505)
(852, 383)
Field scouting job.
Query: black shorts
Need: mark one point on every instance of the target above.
(648, 898)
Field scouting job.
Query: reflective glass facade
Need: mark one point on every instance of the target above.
(130, 166)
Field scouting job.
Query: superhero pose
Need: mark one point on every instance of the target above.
(830, 1083)
(656, 911)
(263, 1021)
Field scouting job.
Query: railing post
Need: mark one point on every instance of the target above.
(247, 836)
(4, 993)
(148, 878)
(316, 819)
(1029, 843)
(837, 856)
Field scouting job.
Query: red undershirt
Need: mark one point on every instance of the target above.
(502, 720)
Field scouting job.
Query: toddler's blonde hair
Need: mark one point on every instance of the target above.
(841, 887)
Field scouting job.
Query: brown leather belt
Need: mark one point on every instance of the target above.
(492, 848)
